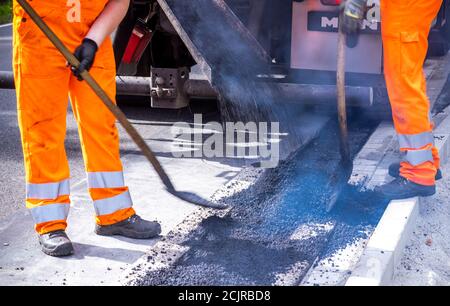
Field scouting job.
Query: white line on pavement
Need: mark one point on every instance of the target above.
(5, 25)
(7, 38)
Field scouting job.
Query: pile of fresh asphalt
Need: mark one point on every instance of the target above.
(278, 227)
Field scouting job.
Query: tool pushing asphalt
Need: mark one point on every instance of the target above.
(134, 134)
(342, 175)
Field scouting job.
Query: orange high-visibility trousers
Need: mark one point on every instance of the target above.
(43, 86)
(405, 29)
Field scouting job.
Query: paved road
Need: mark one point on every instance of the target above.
(11, 170)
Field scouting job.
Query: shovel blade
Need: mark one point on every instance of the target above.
(195, 199)
(338, 182)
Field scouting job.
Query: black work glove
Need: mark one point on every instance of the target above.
(352, 14)
(85, 53)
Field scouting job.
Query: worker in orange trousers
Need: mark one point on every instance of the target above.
(405, 29)
(43, 85)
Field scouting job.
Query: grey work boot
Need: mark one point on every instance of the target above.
(133, 227)
(401, 188)
(56, 244)
(394, 171)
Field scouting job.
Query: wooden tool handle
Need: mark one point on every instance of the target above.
(341, 103)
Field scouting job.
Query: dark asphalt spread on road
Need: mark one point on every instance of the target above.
(259, 242)
(12, 187)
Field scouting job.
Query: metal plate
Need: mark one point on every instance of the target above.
(316, 50)
(323, 21)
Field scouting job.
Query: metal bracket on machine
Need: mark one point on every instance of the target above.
(167, 87)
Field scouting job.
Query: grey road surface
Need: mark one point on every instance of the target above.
(11, 170)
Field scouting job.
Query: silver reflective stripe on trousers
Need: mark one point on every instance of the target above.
(111, 205)
(51, 212)
(105, 179)
(417, 157)
(415, 141)
(48, 191)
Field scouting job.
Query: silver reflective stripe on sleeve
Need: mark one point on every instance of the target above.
(415, 141)
(417, 157)
(48, 191)
(51, 212)
(105, 179)
(111, 205)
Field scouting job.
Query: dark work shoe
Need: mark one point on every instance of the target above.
(394, 171)
(401, 188)
(56, 244)
(133, 227)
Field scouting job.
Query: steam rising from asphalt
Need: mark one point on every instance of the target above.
(235, 67)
